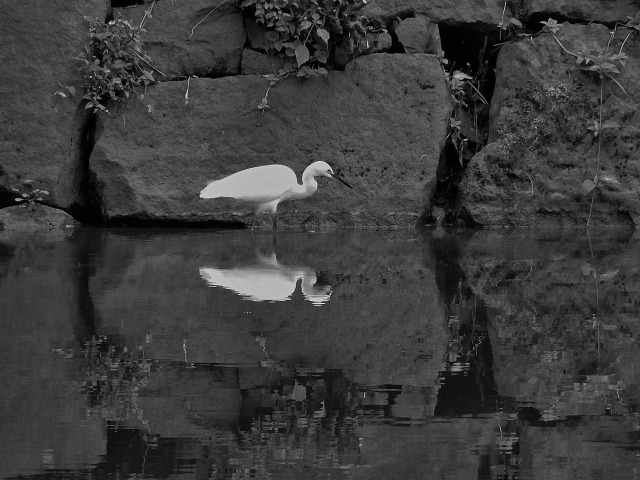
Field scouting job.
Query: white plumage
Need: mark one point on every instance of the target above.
(263, 188)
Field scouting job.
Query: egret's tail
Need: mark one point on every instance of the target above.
(214, 190)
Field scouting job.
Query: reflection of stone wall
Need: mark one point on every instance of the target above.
(383, 324)
(582, 449)
(41, 406)
(556, 339)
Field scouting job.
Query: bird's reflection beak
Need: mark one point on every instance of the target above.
(344, 182)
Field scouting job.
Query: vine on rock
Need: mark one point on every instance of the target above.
(604, 64)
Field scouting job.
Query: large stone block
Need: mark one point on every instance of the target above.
(202, 37)
(541, 149)
(591, 11)
(384, 132)
(419, 35)
(41, 134)
(487, 12)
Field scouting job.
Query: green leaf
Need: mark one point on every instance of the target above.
(302, 55)
(552, 25)
(609, 179)
(610, 124)
(608, 275)
(588, 185)
(458, 75)
(324, 35)
(587, 270)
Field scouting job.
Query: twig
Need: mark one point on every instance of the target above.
(186, 95)
(147, 62)
(618, 83)
(562, 46)
(266, 94)
(147, 13)
(504, 8)
(484, 100)
(593, 194)
(529, 180)
(205, 17)
(623, 42)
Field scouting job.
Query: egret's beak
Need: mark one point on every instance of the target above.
(344, 182)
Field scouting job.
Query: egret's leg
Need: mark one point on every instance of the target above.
(273, 219)
(255, 216)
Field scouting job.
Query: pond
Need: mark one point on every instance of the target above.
(373, 354)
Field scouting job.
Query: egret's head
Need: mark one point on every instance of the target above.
(323, 169)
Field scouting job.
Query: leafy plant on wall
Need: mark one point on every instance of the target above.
(304, 33)
(113, 63)
(29, 196)
(303, 30)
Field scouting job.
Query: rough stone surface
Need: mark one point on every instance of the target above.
(255, 35)
(256, 63)
(214, 49)
(419, 35)
(577, 10)
(540, 148)
(488, 12)
(41, 133)
(346, 50)
(19, 220)
(384, 133)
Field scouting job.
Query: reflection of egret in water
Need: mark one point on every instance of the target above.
(268, 280)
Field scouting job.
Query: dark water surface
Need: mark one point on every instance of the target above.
(130, 354)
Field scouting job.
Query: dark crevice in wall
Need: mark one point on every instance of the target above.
(87, 209)
(126, 3)
(472, 49)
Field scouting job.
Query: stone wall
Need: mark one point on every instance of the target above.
(382, 120)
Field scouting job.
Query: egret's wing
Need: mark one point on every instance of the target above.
(254, 185)
(251, 283)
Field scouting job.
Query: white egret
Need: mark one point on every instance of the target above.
(268, 280)
(263, 188)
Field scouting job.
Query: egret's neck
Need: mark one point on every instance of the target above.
(308, 187)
